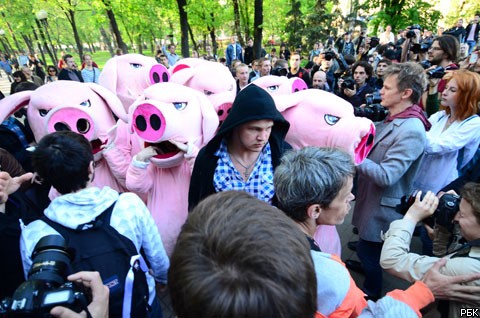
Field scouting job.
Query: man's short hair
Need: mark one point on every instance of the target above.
(62, 159)
(237, 256)
(240, 65)
(262, 59)
(409, 75)
(449, 45)
(471, 193)
(311, 175)
(366, 66)
(385, 61)
(67, 56)
(280, 63)
(296, 53)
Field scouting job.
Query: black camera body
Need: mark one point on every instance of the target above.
(329, 54)
(373, 110)
(280, 71)
(374, 41)
(437, 72)
(46, 286)
(448, 206)
(420, 47)
(411, 33)
(348, 83)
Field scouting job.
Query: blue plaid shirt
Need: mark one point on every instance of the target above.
(260, 181)
(12, 124)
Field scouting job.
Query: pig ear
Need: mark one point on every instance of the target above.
(209, 118)
(284, 102)
(108, 76)
(181, 73)
(111, 99)
(13, 103)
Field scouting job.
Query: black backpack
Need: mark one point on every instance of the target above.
(99, 247)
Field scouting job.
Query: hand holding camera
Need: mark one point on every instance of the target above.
(422, 208)
(98, 308)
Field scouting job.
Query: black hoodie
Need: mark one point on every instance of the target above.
(252, 103)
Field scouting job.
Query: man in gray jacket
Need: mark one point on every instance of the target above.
(388, 172)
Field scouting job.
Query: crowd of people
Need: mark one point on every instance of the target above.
(248, 245)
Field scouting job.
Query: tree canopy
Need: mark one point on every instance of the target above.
(136, 25)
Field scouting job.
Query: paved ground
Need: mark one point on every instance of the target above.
(4, 83)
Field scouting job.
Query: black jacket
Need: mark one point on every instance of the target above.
(252, 103)
(63, 75)
(475, 33)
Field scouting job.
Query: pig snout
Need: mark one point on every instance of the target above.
(298, 85)
(149, 122)
(159, 74)
(72, 119)
(223, 110)
(365, 145)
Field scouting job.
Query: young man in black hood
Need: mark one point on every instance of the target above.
(245, 150)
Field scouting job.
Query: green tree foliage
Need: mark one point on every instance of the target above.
(400, 14)
(295, 24)
(320, 21)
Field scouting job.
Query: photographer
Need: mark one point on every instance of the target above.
(354, 91)
(442, 55)
(397, 260)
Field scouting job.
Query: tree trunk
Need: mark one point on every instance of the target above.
(45, 44)
(246, 18)
(106, 40)
(28, 42)
(114, 26)
(11, 32)
(139, 44)
(195, 47)
(257, 29)
(213, 37)
(236, 20)
(71, 18)
(38, 44)
(183, 26)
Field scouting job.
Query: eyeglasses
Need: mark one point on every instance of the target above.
(49, 71)
(435, 48)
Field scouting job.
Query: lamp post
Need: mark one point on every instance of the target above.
(42, 16)
(2, 39)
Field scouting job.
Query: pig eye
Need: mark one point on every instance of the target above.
(208, 93)
(272, 88)
(43, 112)
(180, 105)
(86, 103)
(136, 65)
(331, 120)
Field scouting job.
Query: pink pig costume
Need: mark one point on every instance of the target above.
(127, 76)
(174, 112)
(319, 118)
(210, 78)
(85, 108)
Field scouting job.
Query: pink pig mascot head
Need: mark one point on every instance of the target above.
(319, 118)
(169, 113)
(84, 108)
(210, 78)
(128, 75)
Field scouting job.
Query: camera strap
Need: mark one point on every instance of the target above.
(464, 250)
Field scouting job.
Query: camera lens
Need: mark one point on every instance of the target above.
(50, 260)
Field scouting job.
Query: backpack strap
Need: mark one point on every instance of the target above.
(103, 218)
(464, 250)
(137, 263)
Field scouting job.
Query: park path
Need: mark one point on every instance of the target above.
(4, 84)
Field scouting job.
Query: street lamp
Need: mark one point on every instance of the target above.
(42, 16)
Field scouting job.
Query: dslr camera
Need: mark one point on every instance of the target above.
(448, 206)
(348, 83)
(411, 33)
(280, 71)
(437, 72)
(46, 286)
(373, 110)
(329, 54)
